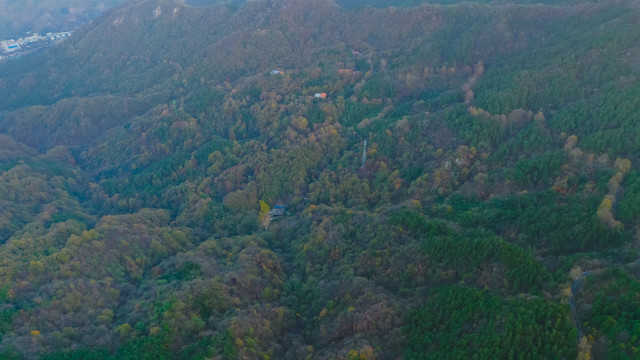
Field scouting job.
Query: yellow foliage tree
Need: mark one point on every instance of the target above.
(264, 216)
(623, 165)
(584, 349)
(124, 329)
(604, 210)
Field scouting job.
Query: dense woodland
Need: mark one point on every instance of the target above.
(140, 159)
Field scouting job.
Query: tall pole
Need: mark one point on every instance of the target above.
(364, 153)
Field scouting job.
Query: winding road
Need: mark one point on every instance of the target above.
(575, 287)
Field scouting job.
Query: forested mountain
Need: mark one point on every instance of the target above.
(140, 159)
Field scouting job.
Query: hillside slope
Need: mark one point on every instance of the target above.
(141, 157)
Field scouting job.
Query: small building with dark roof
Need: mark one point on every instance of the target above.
(278, 210)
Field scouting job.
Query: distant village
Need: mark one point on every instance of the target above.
(30, 43)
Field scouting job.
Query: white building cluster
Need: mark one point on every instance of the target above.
(14, 47)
